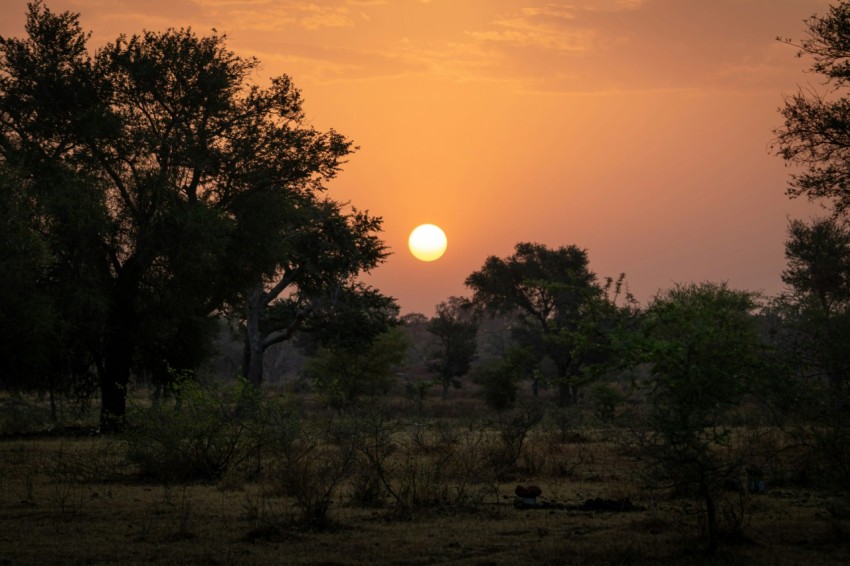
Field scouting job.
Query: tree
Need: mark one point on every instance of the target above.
(555, 293)
(25, 308)
(705, 357)
(815, 135)
(815, 316)
(818, 257)
(456, 329)
(500, 378)
(818, 305)
(179, 171)
(343, 373)
(812, 337)
(322, 250)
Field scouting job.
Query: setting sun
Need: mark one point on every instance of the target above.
(427, 242)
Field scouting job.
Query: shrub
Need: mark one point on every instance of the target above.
(199, 435)
(309, 461)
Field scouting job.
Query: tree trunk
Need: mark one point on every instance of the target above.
(118, 349)
(252, 352)
(53, 414)
(114, 381)
(711, 518)
(575, 391)
(567, 392)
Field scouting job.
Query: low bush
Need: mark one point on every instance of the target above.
(203, 432)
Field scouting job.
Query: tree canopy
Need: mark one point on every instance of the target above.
(455, 328)
(558, 298)
(155, 174)
(815, 136)
(704, 352)
(321, 251)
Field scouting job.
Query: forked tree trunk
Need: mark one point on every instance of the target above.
(115, 379)
(118, 349)
(256, 341)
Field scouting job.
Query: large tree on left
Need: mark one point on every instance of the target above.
(154, 172)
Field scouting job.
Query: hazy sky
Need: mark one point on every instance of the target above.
(637, 129)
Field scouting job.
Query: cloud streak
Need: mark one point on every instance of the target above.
(535, 45)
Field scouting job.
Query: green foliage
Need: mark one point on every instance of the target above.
(320, 251)
(203, 433)
(308, 461)
(566, 315)
(343, 374)
(706, 358)
(500, 378)
(159, 179)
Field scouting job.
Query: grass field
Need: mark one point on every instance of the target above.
(78, 499)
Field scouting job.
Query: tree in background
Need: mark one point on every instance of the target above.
(818, 270)
(157, 176)
(815, 135)
(557, 296)
(343, 373)
(322, 251)
(455, 327)
(500, 378)
(812, 337)
(705, 356)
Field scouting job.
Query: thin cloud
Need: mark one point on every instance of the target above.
(539, 45)
(317, 17)
(268, 15)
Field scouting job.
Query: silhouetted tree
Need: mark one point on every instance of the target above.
(811, 335)
(816, 132)
(455, 327)
(814, 316)
(344, 372)
(500, 378)
(179, 170)
(818, 257)
(322, 251)
(555, 293)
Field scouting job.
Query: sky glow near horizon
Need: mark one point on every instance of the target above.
(636, 129)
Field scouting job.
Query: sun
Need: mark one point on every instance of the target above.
(427, 242)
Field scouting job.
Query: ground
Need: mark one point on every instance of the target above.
(74, 499)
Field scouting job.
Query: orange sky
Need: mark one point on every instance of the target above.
(637, 129)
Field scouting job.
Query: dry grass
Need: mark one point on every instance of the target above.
(77, 501)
